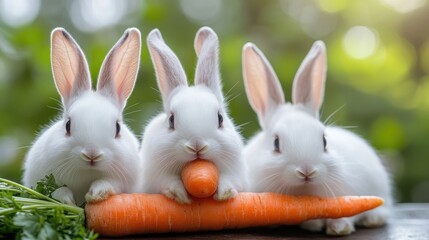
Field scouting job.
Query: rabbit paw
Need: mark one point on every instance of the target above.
(225, 190)
(178, 193)
(313, 225)
(340, 227)
(64, 195)
(224, 193)
(99, 190)
(372, 219)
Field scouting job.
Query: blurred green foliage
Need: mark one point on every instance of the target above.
(378, 65)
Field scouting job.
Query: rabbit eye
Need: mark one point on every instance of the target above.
(220, 120)
(324, 143)
(118, 129)
(68, 133)
(276, 144)
(171, 121)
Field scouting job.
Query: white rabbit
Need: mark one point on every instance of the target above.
(89, 149)
(296, 154)
(194, 124)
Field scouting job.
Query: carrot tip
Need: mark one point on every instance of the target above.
(200, 178)
(378, 201)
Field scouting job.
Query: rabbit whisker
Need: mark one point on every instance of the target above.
(23, 147)
(233, 86)
(326, 122)
(55, 108)
(132, 112)
(349, 127)
(131, 106)
(232, 98)
(121, 173)
(59, 102)
(155, 89)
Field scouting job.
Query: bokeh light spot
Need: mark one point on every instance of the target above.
(360, 42)
(404, 6)
(332, 6)
(92, 15)
(315, 23)
(17, 13)
(201, 10)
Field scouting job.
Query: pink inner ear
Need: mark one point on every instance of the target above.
(202, 35)
(162, 78)
(257, 90)
(317, 86)
(309, 82)
(63, 64)
(198, 43)
(69, 66)
(169, 71)
(119, 71)
(126, 67)
(263, 88)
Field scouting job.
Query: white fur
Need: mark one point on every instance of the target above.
(93, 116)
(195, 109)
(349, 166)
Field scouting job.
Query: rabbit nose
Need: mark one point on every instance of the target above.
(91, 155)
(196, 146)
(307, 173)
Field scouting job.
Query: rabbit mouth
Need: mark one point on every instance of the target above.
(92, 160)
(199, 155)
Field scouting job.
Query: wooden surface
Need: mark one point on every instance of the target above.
(408, 221)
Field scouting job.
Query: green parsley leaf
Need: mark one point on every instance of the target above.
(33, 214)
(47, 185)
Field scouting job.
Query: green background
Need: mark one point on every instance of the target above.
(378, 65)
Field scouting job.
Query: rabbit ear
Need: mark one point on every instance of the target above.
(263, 88)
(69, 66)
(169, 70)
(120, 67)
(207, 46)
(309, 82)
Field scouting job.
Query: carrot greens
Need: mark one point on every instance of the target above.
(33, 214)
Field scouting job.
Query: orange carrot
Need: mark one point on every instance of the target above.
(127, 214)
(200, 178)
